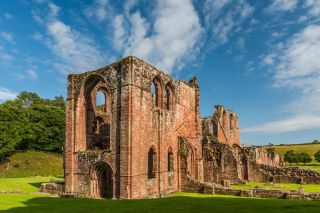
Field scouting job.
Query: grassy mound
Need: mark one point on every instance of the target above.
(309, 148)
(32, 163)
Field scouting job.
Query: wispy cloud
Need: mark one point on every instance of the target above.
(32, 74)
(99, 9)
(4, 56)
(314, 7)
(75, 51)
(296, 67)
(282, 5)
(8, 16)
(167, 40)
(6, 94)
(7, 36)
(225, 17)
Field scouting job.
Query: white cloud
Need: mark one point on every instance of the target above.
(54, 9)
(7, 36)
(296, 67)
(291, 124)
(99, 9)
(165, 42)
(119, 32)
(37, 36)
(282, 5)
(314, 7)
(4, 57)
(224, 22)
(6, 94)
(32, 74)
(213, 8)
(75, 51)
(8, 16)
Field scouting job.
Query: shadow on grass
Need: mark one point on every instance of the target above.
(183, 204)
(37, 184)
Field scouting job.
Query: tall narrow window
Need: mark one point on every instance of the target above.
(101, 103)
(151, 163)
(169, 97)
(157, 92)
(170, 160)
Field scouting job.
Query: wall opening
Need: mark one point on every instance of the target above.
(168, 97)
(101, 101)
(156, 89)
(101, 181)
(170, 160)
(151, 163)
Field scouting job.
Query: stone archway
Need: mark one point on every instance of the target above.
(101, 181)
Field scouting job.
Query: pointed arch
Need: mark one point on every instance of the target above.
(157, 92)
(169, 96)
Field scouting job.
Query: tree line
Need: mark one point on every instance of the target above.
(296, 157)
(32, 123)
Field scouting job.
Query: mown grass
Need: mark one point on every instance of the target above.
(306, 187)
(27, 184)
(32, 163)
(179, 203)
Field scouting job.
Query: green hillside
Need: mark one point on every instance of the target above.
(32, 163)
(310, 148)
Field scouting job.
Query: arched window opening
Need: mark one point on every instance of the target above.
(101, 101)
(170, 160)
(231, 121)
(151, 163)
(156, 92)
(100, 139)
(168, 97)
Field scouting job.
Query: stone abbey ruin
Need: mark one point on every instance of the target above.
(147, 139)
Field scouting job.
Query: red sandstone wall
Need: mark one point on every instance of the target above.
(151, 125)
(135, 125)
(223, 125)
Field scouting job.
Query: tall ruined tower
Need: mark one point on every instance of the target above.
(127, 144)
(223, 125)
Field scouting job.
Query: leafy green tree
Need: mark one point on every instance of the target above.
(305, 158)
(30, 122)
(289, 156)
(317, 156)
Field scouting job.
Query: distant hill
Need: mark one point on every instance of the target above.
(310, 148)
(32, 163)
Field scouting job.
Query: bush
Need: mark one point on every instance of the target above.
(305, 158)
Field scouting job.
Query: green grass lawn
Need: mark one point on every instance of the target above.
(28, 184)
(32, 163)
(307, 187)
(181, 202)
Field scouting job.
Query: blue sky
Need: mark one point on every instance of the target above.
(261, 59)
